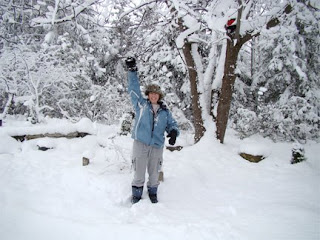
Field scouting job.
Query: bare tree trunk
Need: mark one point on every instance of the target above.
(193, 77)
(227, 88)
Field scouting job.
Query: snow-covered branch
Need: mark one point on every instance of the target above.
(136, 8)
(77, 10)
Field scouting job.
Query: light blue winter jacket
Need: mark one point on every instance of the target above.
(147, 129)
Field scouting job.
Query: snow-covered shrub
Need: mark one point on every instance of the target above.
(295, 120)
(298, 153)
(245, 122)
(282, 88)
(126, 123)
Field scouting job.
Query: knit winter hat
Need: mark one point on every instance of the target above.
(155, 89)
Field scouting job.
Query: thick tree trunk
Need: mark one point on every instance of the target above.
(227, 89)
(197, 114)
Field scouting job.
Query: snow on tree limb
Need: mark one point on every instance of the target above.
(55, 11)
(137, 7)
(77, 11)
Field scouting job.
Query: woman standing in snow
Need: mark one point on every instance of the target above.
(152, 120)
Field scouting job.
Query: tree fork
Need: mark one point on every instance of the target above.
(229, 71)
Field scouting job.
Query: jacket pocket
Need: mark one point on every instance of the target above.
(134, 164)
(160, 164)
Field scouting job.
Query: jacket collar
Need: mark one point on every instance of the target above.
(163, 106)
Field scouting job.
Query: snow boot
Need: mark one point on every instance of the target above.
(153, 194)
(136, 194)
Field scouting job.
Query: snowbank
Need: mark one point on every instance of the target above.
(50, 126)
(209, 192)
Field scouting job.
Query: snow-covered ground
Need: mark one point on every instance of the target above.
(209, 191)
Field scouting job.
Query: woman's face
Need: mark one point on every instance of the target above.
(153, 97)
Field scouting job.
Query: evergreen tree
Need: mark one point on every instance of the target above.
(288, 106)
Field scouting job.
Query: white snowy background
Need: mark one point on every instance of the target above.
(208, 192)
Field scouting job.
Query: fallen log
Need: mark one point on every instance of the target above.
(22, 138)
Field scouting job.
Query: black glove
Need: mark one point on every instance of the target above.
(131, 64)
(172, 136)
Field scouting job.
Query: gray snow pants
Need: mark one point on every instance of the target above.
(144, 158)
